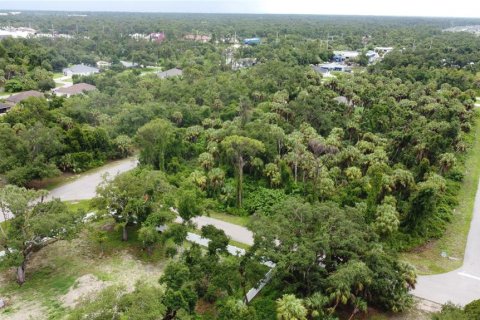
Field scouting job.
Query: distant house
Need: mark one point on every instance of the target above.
(129, 64)
(103, 64)
(80, 70)
(329, 67)
(198, 37)
(4, 108)
(157, 37)
(19, 97)
(78, 88)
(243, 63)
(383, 50)
(252, 41)
(175, 72)
(372, 56)
(21, 32)
(342, 56)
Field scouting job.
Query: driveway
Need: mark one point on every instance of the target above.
(460, 286)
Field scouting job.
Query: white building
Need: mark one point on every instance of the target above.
(21, 32)
(103, 64)
(383, 50)
(341, 56)
(80, 70)
(331, 67)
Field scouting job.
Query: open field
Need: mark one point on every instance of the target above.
(61, 273)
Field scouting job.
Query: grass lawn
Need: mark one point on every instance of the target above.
(51, 183)
(238, 220)
(427, 259)
(151, 69)
(79, 205)
(57, 75)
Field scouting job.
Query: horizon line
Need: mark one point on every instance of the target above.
(242, 13)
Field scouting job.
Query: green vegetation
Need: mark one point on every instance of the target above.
(451, 312)
(427, 259)
(238, 220)
(339, 178)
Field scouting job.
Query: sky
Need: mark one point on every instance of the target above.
(433, 8)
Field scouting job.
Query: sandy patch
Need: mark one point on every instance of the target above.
(84, 286)
(28, 311)
(428, 306)
(124, 269)
(422, 310)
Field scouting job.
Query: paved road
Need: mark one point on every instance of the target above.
(460, 286)
(235, 232)
(85, 187)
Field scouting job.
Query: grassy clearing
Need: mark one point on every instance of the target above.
(427, 259)
(52, 183)
(57, 75)
(84, 205)
(54, 270)
(238, 220)
(239, 244)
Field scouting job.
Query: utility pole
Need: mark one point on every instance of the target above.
(53, 31)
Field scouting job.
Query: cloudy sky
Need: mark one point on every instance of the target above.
(436, 8)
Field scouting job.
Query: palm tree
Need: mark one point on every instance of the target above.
(291, 308)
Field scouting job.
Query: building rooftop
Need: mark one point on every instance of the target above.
(129, 64)
(76, 89)
(17, 98)
(170, 73)
(81, 68)
(347, 53)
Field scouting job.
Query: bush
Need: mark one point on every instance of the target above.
(262, 200)
(79, 161)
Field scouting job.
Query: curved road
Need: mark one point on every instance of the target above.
(460, 286)
(85, 187)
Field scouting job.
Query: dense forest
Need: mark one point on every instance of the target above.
(334, 188)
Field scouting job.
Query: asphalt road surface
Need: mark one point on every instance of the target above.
(460, 286)
(85, 187)
(235, 232)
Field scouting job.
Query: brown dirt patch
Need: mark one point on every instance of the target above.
(85, 285)
(27, 311)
